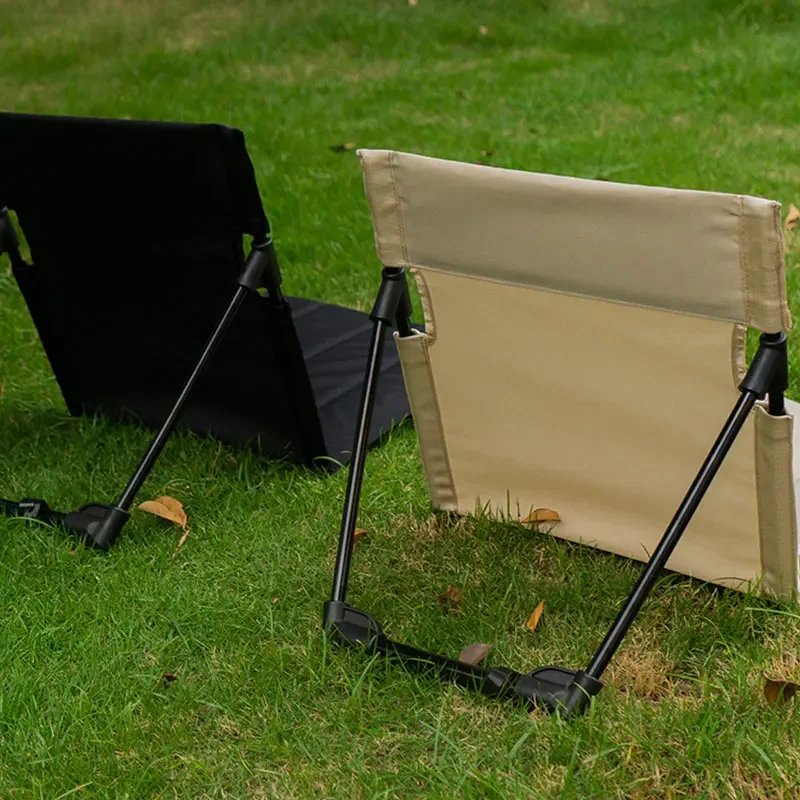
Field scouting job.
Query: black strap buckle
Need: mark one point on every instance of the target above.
(34, 509)
(30, 508)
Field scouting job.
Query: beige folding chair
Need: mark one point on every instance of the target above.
(584, 341)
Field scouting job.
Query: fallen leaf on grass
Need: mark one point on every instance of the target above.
(167, 508)
(541, 515)
(475, 653)
(358, 535)
(450, 599)
(535, 617)
(343, 148)
(169, 677)
(181, 541)
(483, 30)
(779, 692)
(792, 218)
(412, 2)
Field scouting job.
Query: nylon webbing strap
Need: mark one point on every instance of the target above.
(31, 509)
(9, 508)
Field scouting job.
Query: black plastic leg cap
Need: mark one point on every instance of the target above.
(97, 524)
(561, 691)
(347, 625)
(499, 682)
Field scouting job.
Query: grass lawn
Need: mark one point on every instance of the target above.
(691, 93)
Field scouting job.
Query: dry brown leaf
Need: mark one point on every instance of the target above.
(475, 653)
(450, 599)
(412, 2)
(343, 148)
(167, 508)
(483, 30)
(778, 691)
(169, 677)
(358, 535)
(792, 218)
(181, 541)
(535, 617)
(171, 503)
(541, 515)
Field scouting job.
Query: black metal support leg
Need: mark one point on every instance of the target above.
(99, 524)
(563, 691)
(356, 475)
(103, 524)
(673, 534)
(392, 305)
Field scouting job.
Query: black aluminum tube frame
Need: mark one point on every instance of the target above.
(562, 691)
(99, 524)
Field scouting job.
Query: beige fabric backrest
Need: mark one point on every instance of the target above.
(584, 342)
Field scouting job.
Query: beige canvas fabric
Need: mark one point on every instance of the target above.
(583, 346)
(705, 253)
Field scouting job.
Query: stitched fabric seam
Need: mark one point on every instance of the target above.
(398, 211)
(368, 191)
(583, 296)
(791, 545)
(780, 269)
(738, 347)
(743, 265)
(772, 489)
(439, 425)
(427, 305)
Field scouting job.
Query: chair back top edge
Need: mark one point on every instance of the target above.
(702, 253)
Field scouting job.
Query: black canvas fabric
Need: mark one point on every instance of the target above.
(335, 342)
(135, 230)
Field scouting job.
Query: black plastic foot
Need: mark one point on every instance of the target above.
(96, 524)
(347, 625)
(560, 691)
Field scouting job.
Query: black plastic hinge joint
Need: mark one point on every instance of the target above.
(393, 301)
(769, 370)
(261, 269)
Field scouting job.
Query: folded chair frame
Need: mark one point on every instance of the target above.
(99, 524)
(558, 690)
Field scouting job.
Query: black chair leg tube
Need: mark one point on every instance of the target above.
(157, 445)
(356, 476)
(392, 305)
(672, 535)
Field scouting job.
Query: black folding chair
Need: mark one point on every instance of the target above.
(139, 279)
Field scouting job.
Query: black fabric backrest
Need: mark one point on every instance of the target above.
(135, 230)
(128, 176)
